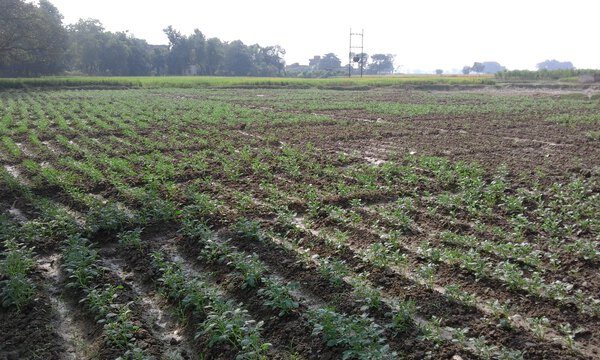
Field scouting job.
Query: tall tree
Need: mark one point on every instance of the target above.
(115, 54)
(180, 52)
(273, 58)
(95, 51)
(158, 60)
(330, 61)
(238, 59)
(87, 40)
(382, 64)
(32, 39)
(140, 59)
(51, 59)
(215, 53)
(198, 47)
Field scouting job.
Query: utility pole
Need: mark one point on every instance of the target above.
(357, 58)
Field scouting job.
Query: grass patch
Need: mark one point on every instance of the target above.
(594, 135)
(573, 119)
(213, 81)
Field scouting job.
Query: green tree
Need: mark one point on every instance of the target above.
(180, 52)
(382, 64)
(32, 39)
(197, 43)
(94, 51)
(238, 59)
(330, 61)
(269, 61)
(215, 54)
(50, 60)
(158, 60)
(139, 62)
(114, 55)
(477, 67)
(86, 40)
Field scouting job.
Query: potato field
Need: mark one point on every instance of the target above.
(300, 223)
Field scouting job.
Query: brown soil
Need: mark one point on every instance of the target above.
(26, 334)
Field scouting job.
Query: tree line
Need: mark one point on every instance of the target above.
(493, 67)
(34, 42)
(330, 65)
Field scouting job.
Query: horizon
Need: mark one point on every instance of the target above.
(439, 40)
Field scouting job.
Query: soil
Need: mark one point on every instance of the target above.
(26, 334)
(526, 141)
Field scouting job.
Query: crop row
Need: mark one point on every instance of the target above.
(451, 232)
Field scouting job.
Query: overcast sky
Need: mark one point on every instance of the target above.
(423, 34)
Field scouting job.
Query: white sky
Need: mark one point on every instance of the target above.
(423, 34)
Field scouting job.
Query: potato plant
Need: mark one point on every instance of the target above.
(432, 218)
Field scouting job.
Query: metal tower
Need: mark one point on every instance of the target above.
(356, 58)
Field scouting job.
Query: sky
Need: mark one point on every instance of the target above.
(423, 34)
